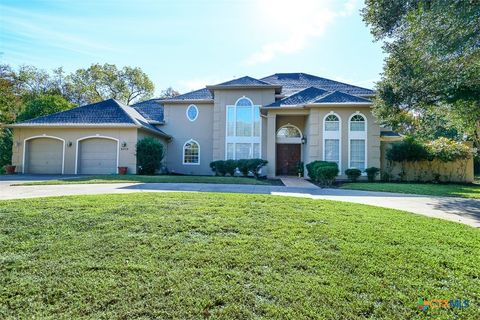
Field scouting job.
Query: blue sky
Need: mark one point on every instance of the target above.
(187, 44)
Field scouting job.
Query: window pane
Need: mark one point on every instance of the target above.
(256, 150)
(243, 151)
(230, 122)
(332, 126)
(191, 153)
(230, 154)
(357, 154)
(288, 132)
(244, 121)
(192, 113)
(256, 123)
(332, 150)
(357, 123)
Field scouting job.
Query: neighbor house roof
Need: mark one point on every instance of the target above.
(294, 82)
(108, 112)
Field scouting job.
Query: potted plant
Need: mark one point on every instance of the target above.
(122, 170)
(9, 169)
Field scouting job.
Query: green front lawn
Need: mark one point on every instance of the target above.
(445, 190)
(156, 179)
(229, 256)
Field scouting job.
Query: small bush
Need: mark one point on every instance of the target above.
(300, 168)
(231, 167)
(323, 172)
(446, 150)
(353, 174)
(150, 153)
(218, 167)
(372, 173)
(254, 166)
(243, 166)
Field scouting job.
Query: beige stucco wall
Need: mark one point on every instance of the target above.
(223, 98)
(182, 130)
(127, 157)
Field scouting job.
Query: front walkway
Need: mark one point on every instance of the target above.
(466, 211)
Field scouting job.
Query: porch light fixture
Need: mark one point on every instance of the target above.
(124, 144)
(304, 140)
(70, 144)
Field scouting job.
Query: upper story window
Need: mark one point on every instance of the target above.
(357, 123)
(243, 130)
(332, 123)
(192, 112)
(191, 152)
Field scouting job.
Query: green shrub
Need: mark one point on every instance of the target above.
(407, 150)
(323, 172)
(243, 166)
(218, 167)
(300, 168)
(254, 166)
(150, 153)
(353, 174)
(231, 167)
(446, 150)
(372, 173)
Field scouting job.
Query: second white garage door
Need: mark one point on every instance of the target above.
(97, 156)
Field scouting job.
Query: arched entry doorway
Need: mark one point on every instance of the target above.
(289, 149)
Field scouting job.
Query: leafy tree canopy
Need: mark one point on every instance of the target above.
(43, 105)
(433, 63)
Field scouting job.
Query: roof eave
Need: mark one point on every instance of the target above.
(173, 101)
(70, 125)
(337, 104)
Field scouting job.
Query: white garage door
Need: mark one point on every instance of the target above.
(44, 156)
(97, 156)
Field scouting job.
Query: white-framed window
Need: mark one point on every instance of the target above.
(243, 130)
(192, 112)
(357, 141)
(191, 152)
(332, 139)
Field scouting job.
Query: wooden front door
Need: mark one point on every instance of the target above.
(288, 156)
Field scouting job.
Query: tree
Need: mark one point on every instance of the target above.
(100, 82)
(433, 62)
(43, 105)
(169, 93)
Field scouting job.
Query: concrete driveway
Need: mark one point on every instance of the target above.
(466, 211)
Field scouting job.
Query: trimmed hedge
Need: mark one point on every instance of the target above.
(323, 172)
(245, 166)
(353, 174)
(150, 153)
(372, 172)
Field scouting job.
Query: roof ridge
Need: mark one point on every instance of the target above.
(129, 114)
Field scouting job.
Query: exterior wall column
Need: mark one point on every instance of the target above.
(271, 144)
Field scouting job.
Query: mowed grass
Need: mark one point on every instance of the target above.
(155, 179)
(229, 256)
(444, 190)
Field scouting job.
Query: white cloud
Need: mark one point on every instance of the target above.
(299, 21)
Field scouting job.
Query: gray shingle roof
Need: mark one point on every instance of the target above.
(302, 97)
(152, 109)
(201, 94)
(294, 82)
(341, 97)
(107, 112)
(244, 81)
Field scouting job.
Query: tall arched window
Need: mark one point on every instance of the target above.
(191, 152)
(332, 139)
(357, 141)
(243, 130)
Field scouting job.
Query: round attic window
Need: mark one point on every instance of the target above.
(192, 112)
